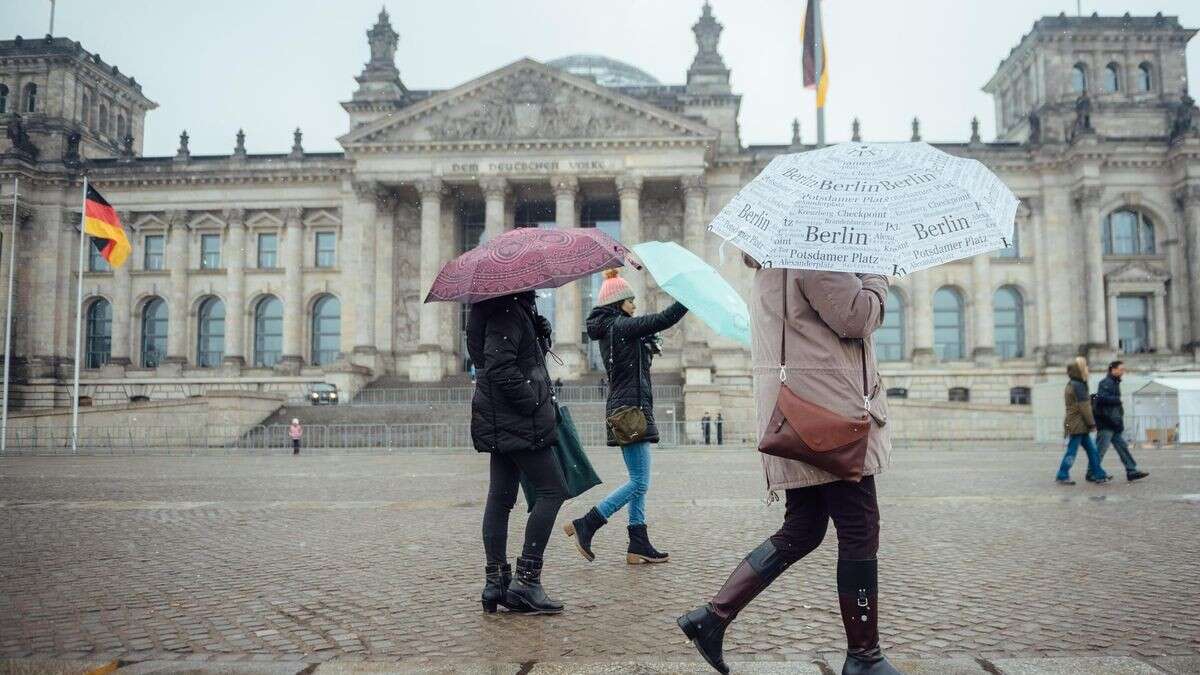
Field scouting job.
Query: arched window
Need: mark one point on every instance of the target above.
(889, 338)
(154, 332)
(99, 334)
(1128, 232)
(84, 114)
(268, 331)
(326, 330)
(1079, 78)
(3, 98)
(1144, 80)
(210, 334)
(103, 119)
(1009, 320)
(30, 97)
(948, 333)
(121, 127)
(1112, 77)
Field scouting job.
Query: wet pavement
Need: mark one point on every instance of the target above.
(354, 561)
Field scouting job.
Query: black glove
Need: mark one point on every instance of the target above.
(541, 326)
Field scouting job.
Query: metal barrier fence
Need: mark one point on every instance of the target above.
(425, 396)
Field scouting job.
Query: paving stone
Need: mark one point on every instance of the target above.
(1179, 665)
(211, 668)
(417, 667)
(1075, 666)
(670, 668)
(957, 666)
(56, 666)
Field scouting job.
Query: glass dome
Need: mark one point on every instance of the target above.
(607, 72)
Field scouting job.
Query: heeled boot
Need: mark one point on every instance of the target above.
(641, 550)
(858, 595)
(525, 593)
(705, 626)
(583, 529)
(495, 588)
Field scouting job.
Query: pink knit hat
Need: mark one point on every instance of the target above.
(614, 289)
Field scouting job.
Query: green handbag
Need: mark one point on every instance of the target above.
(628, 424)
(577, 472)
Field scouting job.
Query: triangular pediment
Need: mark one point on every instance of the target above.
(522, 102)
(1137, 271)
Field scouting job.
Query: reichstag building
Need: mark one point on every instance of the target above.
(276, 271)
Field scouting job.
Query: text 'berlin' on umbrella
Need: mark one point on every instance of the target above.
(877, 208)
(526, 259)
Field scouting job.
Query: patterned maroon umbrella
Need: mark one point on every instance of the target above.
(525, 259)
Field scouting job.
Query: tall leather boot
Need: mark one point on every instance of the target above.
(525, 593)
(705, 625)
(857, 582)
(583, 529)
(641, 550)
(495, 589)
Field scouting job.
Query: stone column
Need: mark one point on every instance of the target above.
(1114, 334)
(1088, 198)
(122, 310)
(1160, 342)
(293, 291)
(426, 365)
(177, 310)
(981, 299)
(1189, 201)
(495, 196)
(697, 361)
(922, 318)
(629, 187)
(1060, 248)
(367, 196)
(567, 313)
(1032, 206)
(235, 288)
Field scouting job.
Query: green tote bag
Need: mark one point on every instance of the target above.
(577, 472)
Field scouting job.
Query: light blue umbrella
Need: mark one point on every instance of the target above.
(700, 288)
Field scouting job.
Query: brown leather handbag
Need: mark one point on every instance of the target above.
(804, 431)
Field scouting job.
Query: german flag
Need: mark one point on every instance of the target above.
(813, 61)
(101, 222)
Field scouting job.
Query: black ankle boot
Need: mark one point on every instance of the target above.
(705, 626)
(640, 548)
(858, 599)
(495, 589)
(583, 529)
(525, 593)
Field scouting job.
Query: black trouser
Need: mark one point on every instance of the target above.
(541, 466)
(852, 507)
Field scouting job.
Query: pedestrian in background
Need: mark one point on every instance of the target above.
(1078, 423)
(514, 419)
(826, 320)
(706, 426)
(295, 431)
(720, 429)
(628, 343)
(1110, 421)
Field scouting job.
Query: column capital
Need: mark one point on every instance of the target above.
(235, 217)
(494, 187)
(692, 183)
(430, 188)
(365, 189)
(1088, 196)
(291, 215)
(629, 185)
(1032, 206)
(176, 217)
(1187, 195)
(564, 186)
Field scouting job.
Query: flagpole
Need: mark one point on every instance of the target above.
(51, 18)
(12, 260)
(820, 126)
(79, 321)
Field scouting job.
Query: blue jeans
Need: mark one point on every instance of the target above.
(633, 493)
(1093, 470)
(1106, 436)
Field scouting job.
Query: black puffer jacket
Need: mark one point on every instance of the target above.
(512, 409)
(625, 345)
(1107, 406)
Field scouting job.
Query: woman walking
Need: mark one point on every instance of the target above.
(627, 344)
(513, 418)
(825, 332)
(295, 431)
(1078, 425)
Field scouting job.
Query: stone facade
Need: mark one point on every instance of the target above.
(304, 267)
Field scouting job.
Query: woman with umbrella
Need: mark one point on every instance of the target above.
(627, 344)
(513, 410)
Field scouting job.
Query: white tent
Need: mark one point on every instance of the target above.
(1165, 404)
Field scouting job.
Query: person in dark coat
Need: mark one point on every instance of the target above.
(706, 427)
(1110, 420)
(513, 417)
(720, 429)
(627, 344)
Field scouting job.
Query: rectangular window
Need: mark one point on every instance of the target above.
(1133, 324)
(210, 251)
(326, 249)
(153, 257)
(268, 251)
(96, 262)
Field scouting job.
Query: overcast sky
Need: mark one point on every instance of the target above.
(269, 66)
